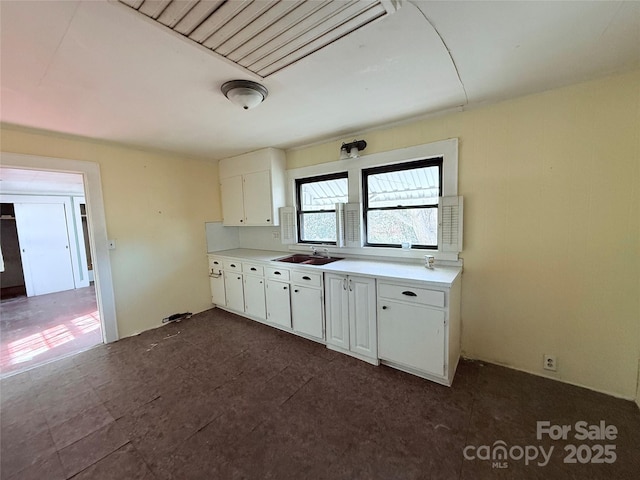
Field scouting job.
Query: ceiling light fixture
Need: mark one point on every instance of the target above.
(352, 150)
(244, 93)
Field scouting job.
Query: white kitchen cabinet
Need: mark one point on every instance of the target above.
(254, 296)
(306, 311)
(351, 316)
(278, 298)
(306, 303)
(234, 291)
(253, 188)
(412, 335)
(216, 282)
(419, 328)
(257, 199)
(380, 314)
(233, 203)
(337, 310)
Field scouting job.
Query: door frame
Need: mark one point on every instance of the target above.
(97, 226)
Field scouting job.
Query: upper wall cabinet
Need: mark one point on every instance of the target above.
(252, 188)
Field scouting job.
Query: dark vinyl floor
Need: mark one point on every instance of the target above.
(222, 397)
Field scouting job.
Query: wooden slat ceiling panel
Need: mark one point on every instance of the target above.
(323, 15)
(263, 36)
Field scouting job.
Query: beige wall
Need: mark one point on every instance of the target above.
(155, 206)
(552, 255)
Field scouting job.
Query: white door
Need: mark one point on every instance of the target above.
(362, 315)
(232, 201)
(337, 310)
(412, 335)
(44, 246)
(254, 296)
(233, 291)
(278, 303)
(257, 198)
(306, 311)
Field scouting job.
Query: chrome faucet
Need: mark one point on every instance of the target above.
(325, 252)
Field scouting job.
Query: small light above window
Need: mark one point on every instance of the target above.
(352, 150)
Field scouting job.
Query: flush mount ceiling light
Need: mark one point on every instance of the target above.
(352, 150)
(245, 93)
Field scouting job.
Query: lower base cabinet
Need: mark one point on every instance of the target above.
(254, 298)
(278, 303)
(412, 335)
(234, 291)
(409, 325)
(306, 311)
(216, 282)
(351, 315)
(419, 328)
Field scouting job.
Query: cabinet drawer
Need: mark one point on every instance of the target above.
(277, 273)
(232, 265)
(215, 263)
(311, 279)
(253, 268)
(403, 293)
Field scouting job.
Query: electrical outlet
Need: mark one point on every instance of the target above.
(550, 362)
(276, 234)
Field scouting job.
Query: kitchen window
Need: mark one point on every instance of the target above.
(400, 204)
(316, 198)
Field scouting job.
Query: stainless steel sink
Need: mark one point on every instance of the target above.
(307, 259)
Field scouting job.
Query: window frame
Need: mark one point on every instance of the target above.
(397, 167)
(299, 182)
(309, 165)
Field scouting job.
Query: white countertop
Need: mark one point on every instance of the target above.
(442, 276)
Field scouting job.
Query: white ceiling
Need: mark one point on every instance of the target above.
(99, 69)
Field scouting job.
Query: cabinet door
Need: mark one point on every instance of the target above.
(257, 198)
(216, 280)
(306, 310)
(233, 291)
(362, 316)
(232, 201)
(412, 335)
(337, 310)
(278, 303)
(254, 296)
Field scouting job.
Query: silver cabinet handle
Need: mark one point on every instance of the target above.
(344, 284)
(350, 286)
(306, 278)
(409, 293)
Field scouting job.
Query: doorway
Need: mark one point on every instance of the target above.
(81, 313)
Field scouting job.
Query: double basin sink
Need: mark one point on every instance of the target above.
(307, 259)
